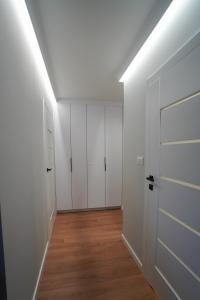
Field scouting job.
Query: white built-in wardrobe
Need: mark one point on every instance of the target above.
(88, 144)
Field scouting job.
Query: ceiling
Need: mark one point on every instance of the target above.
(87, 43)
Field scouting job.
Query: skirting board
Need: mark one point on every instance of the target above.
(40, 271)
(87, 209)
(132, 252)
(52, 220)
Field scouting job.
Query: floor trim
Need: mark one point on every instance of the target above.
(50, 229)
(88, 209)
(40, 271)
(132, 252)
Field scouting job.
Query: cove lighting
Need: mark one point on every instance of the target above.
(165, 22)
(27, 26)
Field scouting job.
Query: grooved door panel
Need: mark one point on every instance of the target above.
(95, 155)
(181, 78)
(181, 122)
(113, 132)
(181, 240)
(173, 196)
(181, 162)
(78, 147)
(183, 282)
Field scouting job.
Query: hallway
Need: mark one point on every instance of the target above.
(100, 111)
(87, 260)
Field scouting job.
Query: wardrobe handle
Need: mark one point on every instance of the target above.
(105, 166)
(71, 164)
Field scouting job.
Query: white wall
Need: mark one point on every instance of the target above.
(186, 24)
(22, 178)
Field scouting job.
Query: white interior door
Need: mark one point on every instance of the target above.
(95, 156)
(50, 171)
(50, 165)
(63, 155)
(113, 134)
(78, 158)
(172, 229)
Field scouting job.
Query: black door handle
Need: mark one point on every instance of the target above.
(48, 170)
(150, 178)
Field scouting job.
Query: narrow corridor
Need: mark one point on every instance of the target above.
(88, 260)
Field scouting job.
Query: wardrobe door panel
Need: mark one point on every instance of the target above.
(78, 162)
(113, 121)
(62, 156)
(95, 156)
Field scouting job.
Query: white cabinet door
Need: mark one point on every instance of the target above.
(95, 156)
(88, 134)
(78, 163)
(62, 156)
(113, 133)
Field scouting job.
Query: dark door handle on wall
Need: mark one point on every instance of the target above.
(48, 170)
(105, 166)
(150, 178)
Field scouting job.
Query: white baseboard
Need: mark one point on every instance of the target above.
(40, 272)
(132, 252)
(51, 225)
(88, 209)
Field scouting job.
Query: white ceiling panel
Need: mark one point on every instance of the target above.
(87, 42)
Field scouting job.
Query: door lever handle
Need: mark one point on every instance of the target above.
(48, 170)
(150, 178)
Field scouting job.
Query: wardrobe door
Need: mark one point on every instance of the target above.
(113, 134)
(78, 158)
(95, 156)
(62, 156)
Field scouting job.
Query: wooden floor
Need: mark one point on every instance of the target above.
(87, 260)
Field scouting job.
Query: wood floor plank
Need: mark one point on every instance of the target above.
(87, 260)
